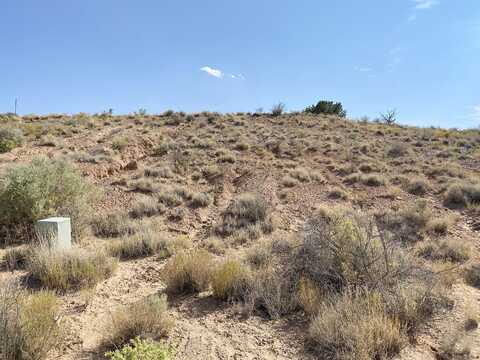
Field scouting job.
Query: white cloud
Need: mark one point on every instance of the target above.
(363, 69)
(419, 6)
(212, 72)
(424, 4)
(219, 74)
(476, 113)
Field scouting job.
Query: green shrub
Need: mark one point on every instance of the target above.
(28, 323)
(41, 189)
(10, 138)
(139, 349)
(147, 318)
(327, 107)
(69, 269)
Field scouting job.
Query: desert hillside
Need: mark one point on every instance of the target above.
(239, 236)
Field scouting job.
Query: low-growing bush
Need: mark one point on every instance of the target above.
(460, 195)
(407, 224)
(200, 200)
(246, 211)
(10, 138)
(147, 318)
(188, 271)
(29, 323)
(327, 107)
(417, 186)
(472, 276)
(397, 150)
(231, 280)
(41, 189)
(69, 269)
(355, 326)
(342, 248)
(146, 207)
(143, 243)
(450, 250)
(139, 349)
(112, 225)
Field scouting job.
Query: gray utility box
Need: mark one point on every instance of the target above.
(57, 231)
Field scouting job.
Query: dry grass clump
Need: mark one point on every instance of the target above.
(407, 224)
(144, 243)
(417, 186)
(260, 254)
(29, 323)
(460, 195)
(147, 318)
(397, 150)
(454, 345)
(246, 212)
(273, 291)
(355, 326)
(450, 250)
(472, 276)
(200, 200)
(366, 179)
(289, 181)
(301, 174)
(120, 143)
(231, 280)
(188, 271)
(69, 269)
(112, 225)
(162, 172)
(440, 226)
(146, 207)
(16, 257)
(144, 185)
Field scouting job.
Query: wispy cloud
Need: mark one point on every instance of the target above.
(424, 4)
(420, 5)
(476, 113)
(219, 74)
(363, 69)
(394, 58)
(212, 72)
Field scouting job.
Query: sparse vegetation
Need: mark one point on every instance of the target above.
(146, 318)
(188, 271)
(245, 212)
(29, 323)
(69, 269)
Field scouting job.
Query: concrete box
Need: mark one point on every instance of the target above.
(57, 231)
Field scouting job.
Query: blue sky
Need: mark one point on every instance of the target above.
(421, 57)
